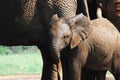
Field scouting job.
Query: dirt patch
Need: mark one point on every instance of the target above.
(35, 77)
(21, 77)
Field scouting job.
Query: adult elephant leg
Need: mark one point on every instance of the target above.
(86, 8)
(49, 69)
(100, 75)
(116, 65)
(113, 12)
(87, 74)
(92, 9)
(116, 74)
(82, 7)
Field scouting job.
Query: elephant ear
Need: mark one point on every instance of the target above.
(75, 40)
(80, 30)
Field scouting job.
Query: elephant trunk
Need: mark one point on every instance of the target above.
(56, 56)
(55, 52)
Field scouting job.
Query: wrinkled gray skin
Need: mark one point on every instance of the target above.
(109, 9)
(85, 44)
(26, 22)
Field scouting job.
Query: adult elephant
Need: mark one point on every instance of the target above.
(81, 43)
(26, 22)
(113, 12)
(110, 10)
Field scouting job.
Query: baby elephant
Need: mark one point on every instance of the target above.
(81, 43)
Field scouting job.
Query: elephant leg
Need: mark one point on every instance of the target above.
(71, 69)
(86, 8)
(65, 68)
(50, 71)
(92, 9)
(74, 70)
(87, 74)
(115, 69)
(117, 76)
(93, 75)
(82, 7)
(100, 75)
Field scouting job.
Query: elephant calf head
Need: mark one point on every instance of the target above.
(67, 32)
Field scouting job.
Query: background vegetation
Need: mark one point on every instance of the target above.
(20, 60)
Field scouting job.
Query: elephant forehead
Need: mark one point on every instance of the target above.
(63, 28)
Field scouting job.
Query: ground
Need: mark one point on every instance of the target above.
(21, 77)
(34, 77)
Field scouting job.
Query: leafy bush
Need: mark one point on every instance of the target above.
(5, 50)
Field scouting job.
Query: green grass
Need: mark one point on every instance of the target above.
(21, 64)
(14, 64)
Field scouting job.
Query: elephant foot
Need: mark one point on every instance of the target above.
(49, 72)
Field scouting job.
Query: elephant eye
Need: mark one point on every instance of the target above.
(66, 36)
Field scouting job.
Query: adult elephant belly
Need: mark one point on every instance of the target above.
(19, 27)
(22, 35)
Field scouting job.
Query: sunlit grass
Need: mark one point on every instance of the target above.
(20, 64)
